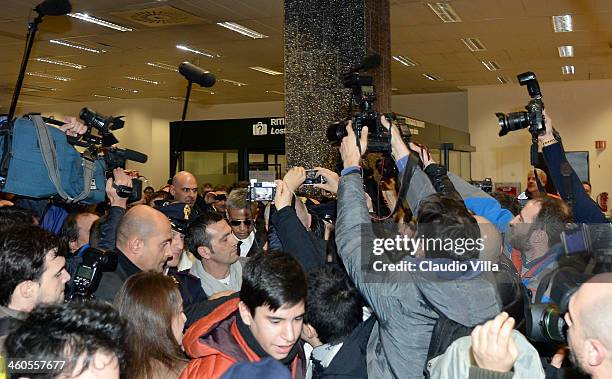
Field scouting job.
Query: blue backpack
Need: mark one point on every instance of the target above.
(37, 161)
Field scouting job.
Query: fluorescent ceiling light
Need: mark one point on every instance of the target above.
(192, 50)
(242, 29)
(124, 89)
(55, 77)
(76, 46)
(266, 70)
(34, 87)
(276, 92)
(179, 98)
(490, 65)
(394, 89)
(562, 23)
(432, 76)
(233, 82)
(504, 79)
(142, 80)
(566, 51)
(445, 12)
(405, 61)
(568, 70)
(198, 89)
(61, 63)
(473, 44)
(99, 21)
(106, 97)
(163, 66)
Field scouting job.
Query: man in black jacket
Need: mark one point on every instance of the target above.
(144, 239)
(333, 326)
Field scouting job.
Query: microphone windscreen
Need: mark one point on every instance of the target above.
(370, 62)
(135, 156)
(54, 8)
(196, 75)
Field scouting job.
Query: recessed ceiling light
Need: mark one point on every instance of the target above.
(242, 29)
(106, 97)
(266, 70)
(568, 70)
(195, 51)
(124, 89)
(432, 76)
(55, 77)
(490, 65)
(61, 63)
(76, 46)
(504, 79)
(276, 92)
(99, 21)
(473, 44)
(405, 61)
(562, 23)
(445, 12)
(566, 51)
(233, 82)
(142, 80)
(163, 66)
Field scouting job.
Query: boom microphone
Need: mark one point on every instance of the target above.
(196, 75)
(368, 63)
(54, 8)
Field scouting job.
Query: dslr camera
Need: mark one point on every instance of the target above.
(363, 95)
(533, 117)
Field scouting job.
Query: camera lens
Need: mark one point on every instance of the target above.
(512, 121)
(547, 324)
(336, 131)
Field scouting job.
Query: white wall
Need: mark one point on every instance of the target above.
(581, 111)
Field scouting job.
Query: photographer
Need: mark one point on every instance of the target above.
(406, 308)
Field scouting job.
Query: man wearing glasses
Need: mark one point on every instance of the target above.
(240, 216)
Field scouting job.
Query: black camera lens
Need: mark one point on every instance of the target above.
(336, 131)
(547, 324)
(512, 121)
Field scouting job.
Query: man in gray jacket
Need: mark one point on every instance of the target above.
(407, 306)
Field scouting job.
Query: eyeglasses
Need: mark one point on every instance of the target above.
(246, 222)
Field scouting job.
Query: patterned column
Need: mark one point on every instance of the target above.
(324, 39)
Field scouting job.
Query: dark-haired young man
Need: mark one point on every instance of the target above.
(266, 321)
(75, 231)
(333, 326)
(33, 272)
(210, 239)
(79, 340)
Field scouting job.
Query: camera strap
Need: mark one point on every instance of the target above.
(535, 160)
(49, 155)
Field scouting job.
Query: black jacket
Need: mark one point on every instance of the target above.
(309, 250)
(111, 282)
(350, 361)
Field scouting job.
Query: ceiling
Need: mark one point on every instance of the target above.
(517, 34)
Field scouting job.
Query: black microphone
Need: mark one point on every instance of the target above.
(196, 75)
(130, 155)
(368, 63)
(54, 8)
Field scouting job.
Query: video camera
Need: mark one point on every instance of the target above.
(588, 249)
(98, 142)
(86, 279)
(533, 118)
(363, 94)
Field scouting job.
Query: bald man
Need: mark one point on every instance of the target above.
(589, 321)
(144, 237)
(184, 188)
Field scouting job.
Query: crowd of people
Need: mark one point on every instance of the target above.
(200, 282)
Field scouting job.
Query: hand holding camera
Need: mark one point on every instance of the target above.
(119, 188)
(294, 178)
(331, 180)
(73, 127)
(349, 150)
(283, 195)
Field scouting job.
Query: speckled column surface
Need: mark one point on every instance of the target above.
(323, 39)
